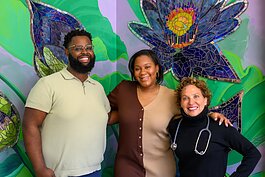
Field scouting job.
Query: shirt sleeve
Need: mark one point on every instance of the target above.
(113, 97)
(40, 96)
(250, 153)
(105, 99)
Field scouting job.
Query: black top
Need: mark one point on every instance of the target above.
(214, 162)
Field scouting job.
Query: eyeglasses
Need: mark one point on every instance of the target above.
(80, 48)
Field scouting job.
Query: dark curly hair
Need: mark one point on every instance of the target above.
(77, 32)
(153, 56)
(196, 82)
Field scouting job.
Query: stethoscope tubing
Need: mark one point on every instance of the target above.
(174, 145)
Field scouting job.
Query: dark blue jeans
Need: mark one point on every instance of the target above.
(94, 174)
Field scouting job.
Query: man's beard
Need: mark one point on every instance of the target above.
(79, 67)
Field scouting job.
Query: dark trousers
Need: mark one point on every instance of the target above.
(94, 174)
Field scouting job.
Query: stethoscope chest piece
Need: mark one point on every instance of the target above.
(173, 146)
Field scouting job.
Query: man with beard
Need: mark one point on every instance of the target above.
(66, 115)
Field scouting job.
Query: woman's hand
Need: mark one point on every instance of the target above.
(218, 116)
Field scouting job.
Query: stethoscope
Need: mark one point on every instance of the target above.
(206, 129)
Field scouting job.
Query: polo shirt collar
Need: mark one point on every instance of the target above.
(68, 76)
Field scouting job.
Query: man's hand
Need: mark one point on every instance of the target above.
(218, 116)
(45, 172)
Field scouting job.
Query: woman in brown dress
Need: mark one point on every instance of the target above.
(144, 109)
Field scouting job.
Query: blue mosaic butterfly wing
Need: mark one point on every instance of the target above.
(232, 110)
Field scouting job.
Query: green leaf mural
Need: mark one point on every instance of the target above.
(9, 124)
(53, 64)
(15, 35)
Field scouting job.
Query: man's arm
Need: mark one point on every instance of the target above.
(113, 117)
(32, 123)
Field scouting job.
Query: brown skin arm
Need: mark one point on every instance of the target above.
(113, 117)
(218, 116)
(31, 125)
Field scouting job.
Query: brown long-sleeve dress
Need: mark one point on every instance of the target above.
(144, 145)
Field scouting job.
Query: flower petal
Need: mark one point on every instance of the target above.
(150, 37)
(165, 58)
(224, 29)
(216, 32)
(45, 22)
(232, 110)
(207, 5)
(219, 23)
(164, 8)
(233, 10)
(182, 66)
(152, 15)
(208, 18)
(207, 61)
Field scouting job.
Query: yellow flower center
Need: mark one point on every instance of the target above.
(179, 21)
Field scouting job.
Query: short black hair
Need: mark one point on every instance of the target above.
(77, 32)
(153, 56)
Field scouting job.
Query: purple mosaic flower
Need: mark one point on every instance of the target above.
(184, 34)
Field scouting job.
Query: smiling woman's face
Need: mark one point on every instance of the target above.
(145, 71)
(192, 101)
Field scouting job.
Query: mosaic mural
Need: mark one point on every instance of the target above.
(209, 40)
(184, 35)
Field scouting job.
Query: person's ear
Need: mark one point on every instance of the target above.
(157, 69)
(205, 101)
(66, 51)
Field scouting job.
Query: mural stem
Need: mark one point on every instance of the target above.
(14, 88)
(24, 158)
